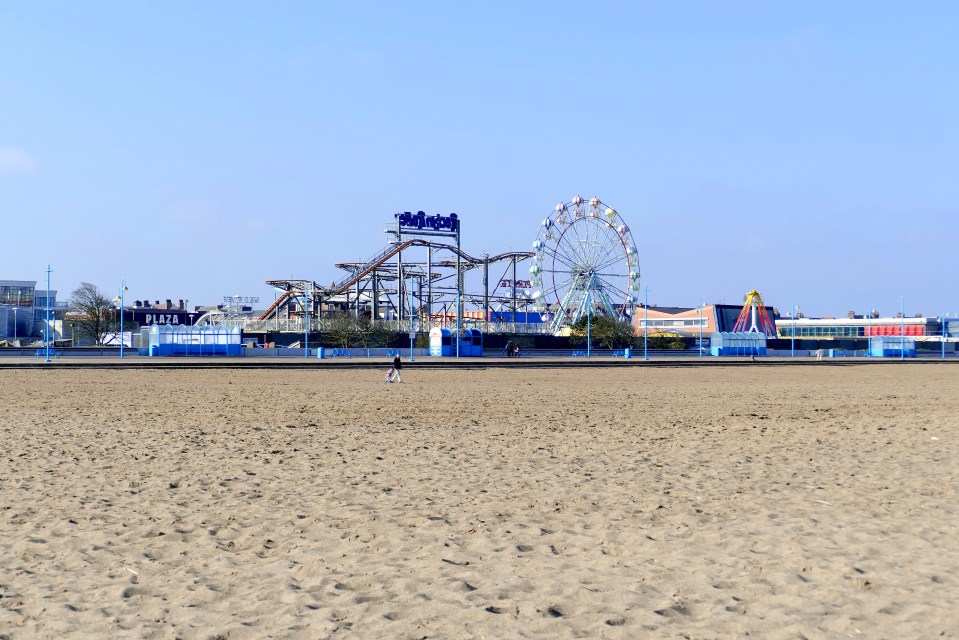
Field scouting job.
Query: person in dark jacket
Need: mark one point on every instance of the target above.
(395, 371)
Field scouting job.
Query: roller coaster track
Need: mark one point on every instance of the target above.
(374, 263)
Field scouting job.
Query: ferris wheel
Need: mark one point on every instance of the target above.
(585, 261)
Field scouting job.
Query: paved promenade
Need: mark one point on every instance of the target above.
(432, 362)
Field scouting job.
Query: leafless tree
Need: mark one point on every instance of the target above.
(345, 330)
(372, 333)
(608, 333)
(341, 329)
(93, 314)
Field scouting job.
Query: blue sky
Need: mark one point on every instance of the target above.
(808, 150)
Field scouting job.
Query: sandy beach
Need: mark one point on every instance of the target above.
(687, 502)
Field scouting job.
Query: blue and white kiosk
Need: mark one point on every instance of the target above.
(443, 342)
(892, 347)
(474, 339)
(738, 343)
(191, 340)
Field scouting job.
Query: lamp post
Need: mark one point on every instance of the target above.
(902, 330)
(123, 289)
(646, 323)
(306, 326)
(792, 317)
(702, 303)
(942, 323)
(412, 334)
(46, 330)
(458, 303)
(589, 325)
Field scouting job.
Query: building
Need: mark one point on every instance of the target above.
(685, 321)
(923, 328)
(23, 311)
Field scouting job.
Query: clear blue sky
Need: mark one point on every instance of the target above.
(808, 150)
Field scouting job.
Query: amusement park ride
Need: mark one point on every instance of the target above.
(754, 311)
(584, 261)
(413, 255)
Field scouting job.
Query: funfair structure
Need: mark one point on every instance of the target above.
(584, 261)
(754, 312)
(417, 274)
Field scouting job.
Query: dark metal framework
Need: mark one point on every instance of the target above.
(380, 285)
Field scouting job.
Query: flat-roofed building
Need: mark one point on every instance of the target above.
(861, 326)
(685, 321)
(23, 310)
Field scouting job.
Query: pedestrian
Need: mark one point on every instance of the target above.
(516, 350)
(509, 348)
(397, 365)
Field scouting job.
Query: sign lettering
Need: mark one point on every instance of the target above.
(156, 317)
(420, 221)
(520, 284)
(161, 318)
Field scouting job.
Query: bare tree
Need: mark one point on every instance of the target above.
(93, 313)
(341, 329)
(607, 332)
(345, 330)
(373, 334)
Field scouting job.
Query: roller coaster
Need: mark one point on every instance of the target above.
(389, 284)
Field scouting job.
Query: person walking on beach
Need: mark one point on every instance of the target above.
(395, 371)
(509, 348)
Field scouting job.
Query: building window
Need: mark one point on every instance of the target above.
(16, 296)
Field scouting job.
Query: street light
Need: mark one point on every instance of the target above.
(306, 327)
(459, 302)
(646, 322)
(46, 330)
(902, 330)
(702, 303)
(792, 316)
(589, 323)
(412, 333)
(942, 324)
(119, 298)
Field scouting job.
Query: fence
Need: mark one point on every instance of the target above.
(321, 325)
